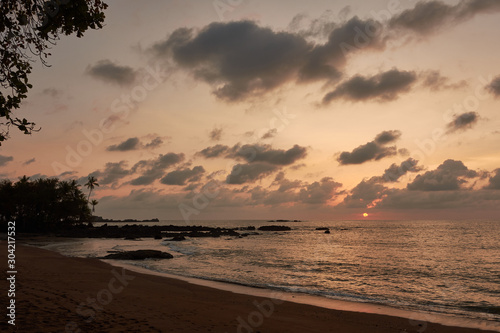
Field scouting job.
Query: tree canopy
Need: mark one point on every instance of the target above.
(27, 30)
(43, 204)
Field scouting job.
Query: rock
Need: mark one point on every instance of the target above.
(139, 255)
(327, 231)
(323, 228)
(274, 228)
(178, 238)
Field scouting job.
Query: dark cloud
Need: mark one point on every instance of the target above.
(5, 159)
(325, 61)
(462, 122)
(31, 160)
(247, 173)
(242, 60)
(256, 153)
(135, 143)
(386, 137)
(494, 86)
(435, 81)
(494, 181)
(110, 72)
(382, 87)
(110, 175)
(153, 169)
(180, 177)
(428, 17)
(155, 143)
(373, 150)
(365, 194)
(449, 176)
(270, 134)
(319, 192)
(265, 153)
(215, 134)
(129, 144)
(394, 172)
(214, 151)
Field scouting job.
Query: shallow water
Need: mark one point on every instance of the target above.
(445, 267)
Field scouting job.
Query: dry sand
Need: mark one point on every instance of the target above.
(62, 294)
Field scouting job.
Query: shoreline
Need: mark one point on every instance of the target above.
(55, 292)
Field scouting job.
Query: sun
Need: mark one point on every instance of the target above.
(365, 214)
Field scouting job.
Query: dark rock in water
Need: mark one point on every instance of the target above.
(284, 221)
(323, 228)
(249, 234)
(327, 231)
(177, 238)
(139, 255)
(274, 228)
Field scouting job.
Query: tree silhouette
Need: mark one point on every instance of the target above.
(93, 203)
(43, 204)
(91, 184)
(28, 28)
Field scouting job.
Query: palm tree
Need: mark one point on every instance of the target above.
(93, 203)
(91, 183)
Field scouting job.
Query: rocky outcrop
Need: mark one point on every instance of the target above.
(274, 228)
(139, 255)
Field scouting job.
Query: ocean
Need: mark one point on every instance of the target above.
(450, 268)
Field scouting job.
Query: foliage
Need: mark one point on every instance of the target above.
(42, 204)
(27, 29)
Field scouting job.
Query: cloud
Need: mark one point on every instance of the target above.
(270, 134)
(494, 181)
(246, 173)
(110, 72)
(386, 137)
(129, 144)
(373, 150)
(428, 17)
(180, 177)
(215, 134)
(241, 60)
(5, 159)
(214, 151)
(31, 160)
(256, 153)
(319, 192)
(365, 194)
(153, 169)
(434, 80)
(394, 172)
(111, 174)
(382, 87)
(52, 92)
(494, 86)
(265, 153)
(462, 122)
(450, 175)
(135, 143)
(155, 143)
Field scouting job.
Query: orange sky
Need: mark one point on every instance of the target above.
(272, 109)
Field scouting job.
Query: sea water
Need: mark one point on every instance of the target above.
(445, 267)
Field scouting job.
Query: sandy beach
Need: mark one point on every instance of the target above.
(63, 294)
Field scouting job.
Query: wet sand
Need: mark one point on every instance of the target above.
(55, 293)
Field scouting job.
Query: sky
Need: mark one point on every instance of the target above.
(252, 109)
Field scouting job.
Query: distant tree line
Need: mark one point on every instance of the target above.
(43, 205)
